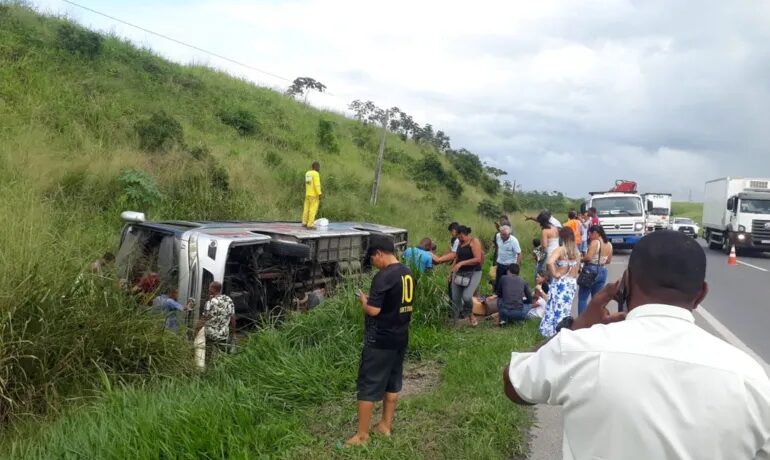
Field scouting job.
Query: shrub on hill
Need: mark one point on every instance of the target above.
(159, 132)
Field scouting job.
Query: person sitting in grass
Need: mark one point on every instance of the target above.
(387, 313)
(516, 299)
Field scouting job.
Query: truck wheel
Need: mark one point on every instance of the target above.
(712, 245)
(288, 249)
(727, 245)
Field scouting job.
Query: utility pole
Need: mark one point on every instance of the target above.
(380, 154)
(690, 196)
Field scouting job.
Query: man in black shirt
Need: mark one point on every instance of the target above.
(387, 312)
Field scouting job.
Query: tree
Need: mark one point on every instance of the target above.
(301, 85)
(366, 112)
(441, 141)
(497, 172)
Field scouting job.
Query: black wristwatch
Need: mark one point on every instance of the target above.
(566, 322)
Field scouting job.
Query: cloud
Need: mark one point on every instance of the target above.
(563, 94)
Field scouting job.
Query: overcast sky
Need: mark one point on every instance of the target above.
(564, 95)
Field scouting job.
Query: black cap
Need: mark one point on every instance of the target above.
(378, 241)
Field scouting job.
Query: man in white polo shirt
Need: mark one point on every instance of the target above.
(652, 384)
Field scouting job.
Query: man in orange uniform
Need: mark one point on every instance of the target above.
(312, 195)
(574, 224)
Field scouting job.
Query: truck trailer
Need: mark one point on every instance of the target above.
(736, 212)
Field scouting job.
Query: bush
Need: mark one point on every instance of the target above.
(219, 177)
(468, 165)
(510, 203)
(244, 121)
(489, 209)
(327, 140)
(159, 132)
(78, 41)
(140, 191)
(429, 172)
(365, 138)
(200, 152)
(273, 160)
(490, 185)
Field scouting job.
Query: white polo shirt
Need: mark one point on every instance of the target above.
(654, 386)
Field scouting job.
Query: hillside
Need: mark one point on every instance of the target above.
(90, 126)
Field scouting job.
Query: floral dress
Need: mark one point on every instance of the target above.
(562, 292)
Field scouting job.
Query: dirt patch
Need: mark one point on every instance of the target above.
(419, 378)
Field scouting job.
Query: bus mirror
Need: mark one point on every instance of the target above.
(582, 208)
(730, 204)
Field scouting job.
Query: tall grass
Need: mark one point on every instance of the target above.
(289, 394)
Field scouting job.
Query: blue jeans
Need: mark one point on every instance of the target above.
(513, 314)
(584, 293)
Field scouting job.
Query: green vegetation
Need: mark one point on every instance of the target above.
(692, 210)
(289, 394)
(91, 126)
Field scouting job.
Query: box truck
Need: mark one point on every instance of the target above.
(659, 217)
(736, 211)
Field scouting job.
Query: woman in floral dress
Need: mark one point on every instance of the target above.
(563, 266)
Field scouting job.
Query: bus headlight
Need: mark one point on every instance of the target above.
(639, 226)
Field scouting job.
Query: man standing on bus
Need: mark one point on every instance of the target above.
(312, 195)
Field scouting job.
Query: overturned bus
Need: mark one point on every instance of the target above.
(261, 265)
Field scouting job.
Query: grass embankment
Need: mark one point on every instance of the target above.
(90, 126)
(692, 210)
(290, 394)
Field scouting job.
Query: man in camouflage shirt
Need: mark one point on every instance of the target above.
(218, 317)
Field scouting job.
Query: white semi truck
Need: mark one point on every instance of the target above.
(659, 217)
(736, 211)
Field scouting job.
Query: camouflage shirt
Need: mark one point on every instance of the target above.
(219, 310)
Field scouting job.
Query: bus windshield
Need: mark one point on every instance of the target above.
(618, 206)
(659, 212)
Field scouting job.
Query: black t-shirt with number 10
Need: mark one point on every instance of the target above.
(393, 292)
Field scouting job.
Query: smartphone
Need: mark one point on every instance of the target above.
(621, 297)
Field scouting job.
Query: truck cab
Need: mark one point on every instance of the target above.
(736, 212)
(659, 215)
(623, 216)
(261, 265)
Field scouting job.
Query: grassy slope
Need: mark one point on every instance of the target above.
(66, 133)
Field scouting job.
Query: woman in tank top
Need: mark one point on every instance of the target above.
(596, 259)
(466, 274)
(549, 236)
(563, 266)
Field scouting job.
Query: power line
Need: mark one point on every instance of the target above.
(166, 37)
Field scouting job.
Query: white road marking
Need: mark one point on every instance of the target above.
(730, 337)
(753, 266)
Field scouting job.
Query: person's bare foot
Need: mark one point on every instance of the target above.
(379, 428)
(357, 440)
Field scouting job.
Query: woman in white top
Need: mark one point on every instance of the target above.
(549, 237)
(563, 266)
(597, 257)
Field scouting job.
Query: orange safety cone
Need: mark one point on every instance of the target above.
(732, 259)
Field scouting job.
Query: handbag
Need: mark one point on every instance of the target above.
(587, 278)
(461, 280)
